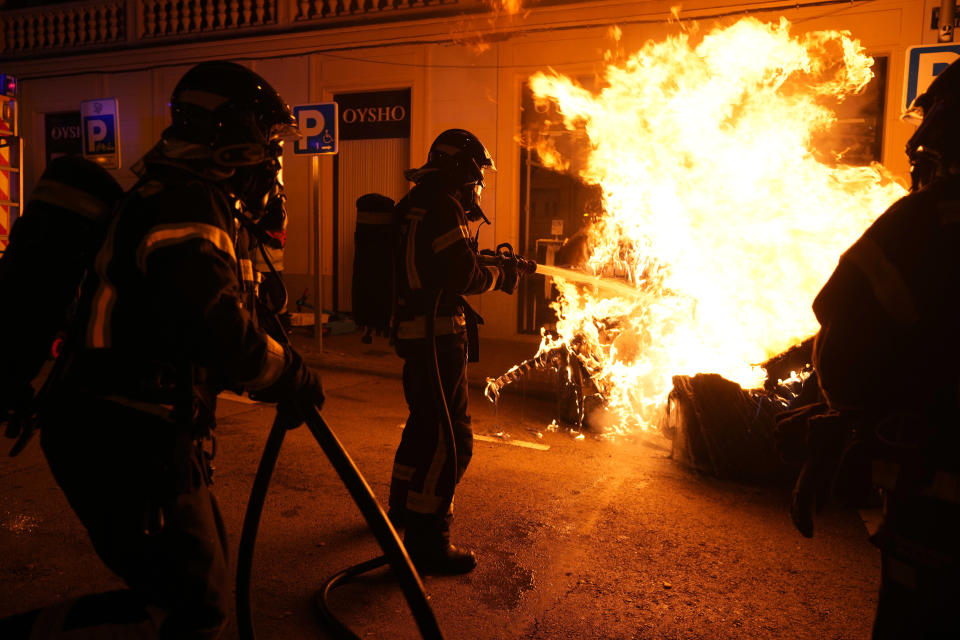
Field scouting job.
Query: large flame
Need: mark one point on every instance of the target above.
(716, 207)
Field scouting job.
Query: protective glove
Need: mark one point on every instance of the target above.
(509, 276)
(297, 388)
(827, 437)
(273, 222)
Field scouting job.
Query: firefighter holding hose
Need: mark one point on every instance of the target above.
(886, 358)
(438, 263)
(166, 321)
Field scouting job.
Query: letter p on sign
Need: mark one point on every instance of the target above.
(96, 132)
(318, 127)
(310, 122)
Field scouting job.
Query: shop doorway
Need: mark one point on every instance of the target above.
(374, 153)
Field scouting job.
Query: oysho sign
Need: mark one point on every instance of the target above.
(66, 132)
(395, 113)
(374, 114)
(62, 134)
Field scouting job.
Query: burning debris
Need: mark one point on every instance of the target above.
(543, 360)
(726, 431)
(720, 218)
(574, 404)
(717, 427)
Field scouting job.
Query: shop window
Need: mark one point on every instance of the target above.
(857, 137)
(555, 205)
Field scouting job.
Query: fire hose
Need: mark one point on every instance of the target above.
(554, 356)
(504, 257)
(351, 572)
(503, 253)
(394, 552)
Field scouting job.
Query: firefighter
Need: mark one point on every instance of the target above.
(886, 358)
(438, 258)
(50, 248)
(166, 322)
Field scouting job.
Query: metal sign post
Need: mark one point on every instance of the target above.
(317, 262)
(318, 124)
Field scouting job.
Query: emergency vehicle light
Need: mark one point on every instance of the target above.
(8, 84)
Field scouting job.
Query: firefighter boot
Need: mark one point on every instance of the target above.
(428, 542)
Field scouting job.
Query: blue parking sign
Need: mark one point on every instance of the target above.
(100, 135)
(100, 132)
(318, 124)
(924, 63)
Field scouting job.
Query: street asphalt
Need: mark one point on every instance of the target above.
(578, 536)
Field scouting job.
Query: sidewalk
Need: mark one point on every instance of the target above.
(346, 352)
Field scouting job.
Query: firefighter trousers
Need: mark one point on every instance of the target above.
(425, 474)
(139, 484)
(920, 549)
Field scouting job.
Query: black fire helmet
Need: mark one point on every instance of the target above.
(935, 145)
(232, 110)
(459, 155)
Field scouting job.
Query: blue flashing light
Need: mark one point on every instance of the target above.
(8, 85)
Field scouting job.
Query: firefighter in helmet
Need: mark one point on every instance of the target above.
(167, 321)
(42, 268)
(438, 264)
(886, 361)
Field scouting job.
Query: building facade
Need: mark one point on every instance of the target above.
(401, 71)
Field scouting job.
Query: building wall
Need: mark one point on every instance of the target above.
(464, 73)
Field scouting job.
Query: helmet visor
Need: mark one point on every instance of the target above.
(915, 112)
(284, 131)
(913, 115)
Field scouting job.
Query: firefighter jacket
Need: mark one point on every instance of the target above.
(436, 254)
(169, 305)
(50, 248)
(890, 311)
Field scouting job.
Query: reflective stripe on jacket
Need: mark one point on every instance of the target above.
(436, 254)
(173, 281)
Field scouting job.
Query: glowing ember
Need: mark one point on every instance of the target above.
(716, 207)
(504, 7)
(508, 6)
